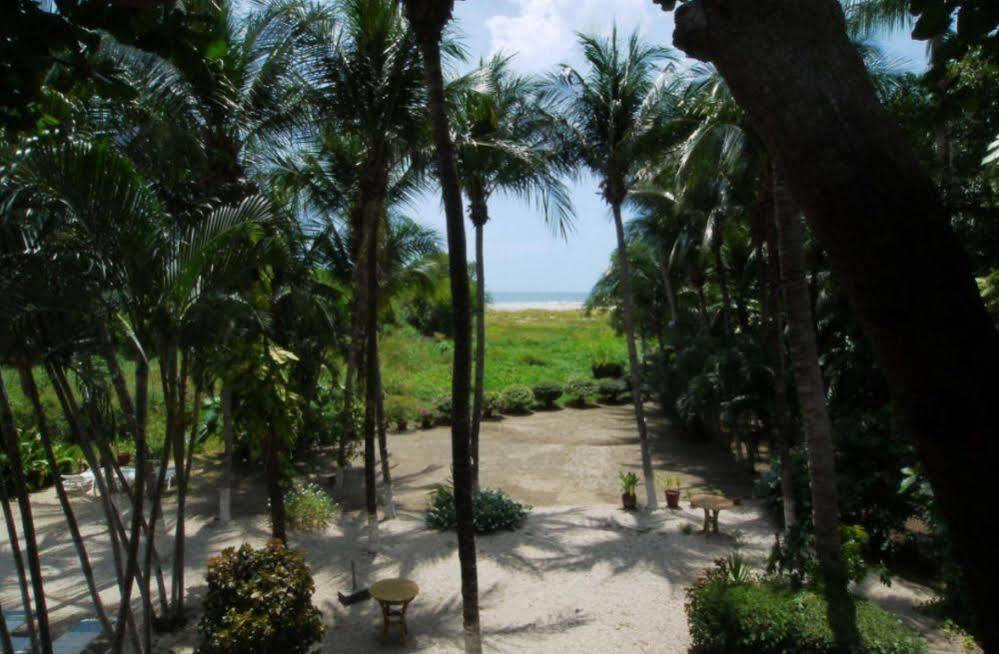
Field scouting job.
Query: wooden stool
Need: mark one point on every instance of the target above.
(392, 593)
(712, 506)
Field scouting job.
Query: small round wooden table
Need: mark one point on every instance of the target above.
(712, 506)
(392, 593)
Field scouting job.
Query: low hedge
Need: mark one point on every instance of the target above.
(769, 616)
(610, 390)
(578, 389)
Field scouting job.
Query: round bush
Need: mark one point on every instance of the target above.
(259, 601)
(494, 511)
(309, 508)
(607, 370)
(610, 390)
(578, 389)
(399, 410)
(517, 399)
(491, 404)
(547, 392)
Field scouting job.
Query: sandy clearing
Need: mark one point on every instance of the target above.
(581, 575)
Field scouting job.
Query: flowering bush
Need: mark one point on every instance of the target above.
(309, 508)
(426, 418)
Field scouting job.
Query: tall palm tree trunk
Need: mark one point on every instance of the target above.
(5, 641)
(9, 434)
(670, 296)
(225, 492)
(478, 398)
(22, 575)
(383, 453)
(815, 419)
(628, 310)
(351, 375)
(774, 326)
(30, 390)
(428, 18)
(370, 377)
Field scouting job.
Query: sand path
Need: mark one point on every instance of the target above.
(580, 576)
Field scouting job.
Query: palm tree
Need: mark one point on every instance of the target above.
(817, 425)
(615, 114)
(428, 19)
(364, 66)
(503, 144)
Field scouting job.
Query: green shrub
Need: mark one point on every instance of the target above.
(607, 370)
(491, 404)
(517, 399)
(442, 410)
(578, 389)
(259, 601)
(309, 508)
(610, 390)
(494, 510)
(400, 410)
(730, 612)
(547, 392)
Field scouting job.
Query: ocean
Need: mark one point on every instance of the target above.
(550, 300)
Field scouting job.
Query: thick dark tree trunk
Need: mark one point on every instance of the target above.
(875, 212)
(372, 218)
(428, 18)
(351, 375)
(480, 214)
(225, 492)
(815, 421)
(774, 328)
(20, 489)
(275, 489)
(670, 296)
(5, 642)
(30, 390)
(628, 310)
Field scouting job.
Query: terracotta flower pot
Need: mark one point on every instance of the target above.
(124, 458)
(673, 498)
(629, 501)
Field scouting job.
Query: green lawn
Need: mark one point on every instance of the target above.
(523, 347)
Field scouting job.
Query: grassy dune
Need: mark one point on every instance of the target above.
(523, 347)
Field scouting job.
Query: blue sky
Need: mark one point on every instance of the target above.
(521, 253)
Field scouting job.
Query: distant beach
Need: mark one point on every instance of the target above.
(550, 301)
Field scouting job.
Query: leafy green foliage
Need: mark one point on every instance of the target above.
(442, 410)
(579, 389)
(492, 404)
(629, 482)
(729, 612)
(259, 601)
(607, 369)
(610, 390)
(309, 508)
(494, 510)
(400, 410)
(517, 399)
(547, 392)
(794, 557)
(36, 468)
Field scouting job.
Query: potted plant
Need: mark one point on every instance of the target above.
(671, 486)
(629, 481)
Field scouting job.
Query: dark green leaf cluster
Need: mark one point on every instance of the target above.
(494, 510)
(578, 389)
(547, 392)
(763, 616)
(259, 601)
(609, 390)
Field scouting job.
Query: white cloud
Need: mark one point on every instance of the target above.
(543, 32)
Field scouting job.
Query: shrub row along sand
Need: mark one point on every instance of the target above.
(581, 575)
